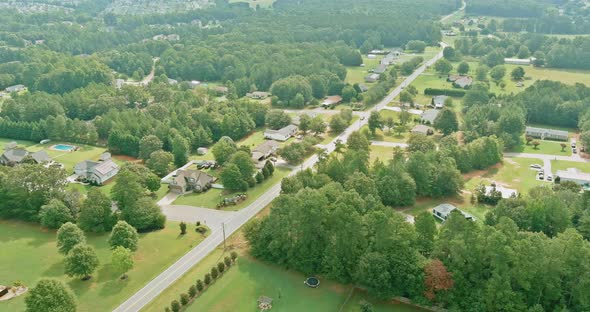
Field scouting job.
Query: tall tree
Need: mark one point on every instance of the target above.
(124, 235)
(446, 121)
(96, 214)
(149, 144)
(54, 214)
(122, 261)
(81, 261)
(68, 236)
(180, 150)
(375, 122)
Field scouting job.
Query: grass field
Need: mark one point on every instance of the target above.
(564, 165)
(211, 198)
(239, 288)
(30, 253)
(356, 74)
(514, 173)
(546, 147)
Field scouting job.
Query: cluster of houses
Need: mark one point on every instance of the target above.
(389, 59)
(460, 81)
(13, 155)
(97, 172)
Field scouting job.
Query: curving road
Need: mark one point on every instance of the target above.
(142, 297)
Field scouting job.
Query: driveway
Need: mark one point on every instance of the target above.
(398, 109)
(210, 217)
(547, 159)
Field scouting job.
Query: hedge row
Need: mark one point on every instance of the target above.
(448, 92)
(200, 286)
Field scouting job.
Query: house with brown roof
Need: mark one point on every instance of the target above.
(332, 100)
(188, 181)
(265, 150)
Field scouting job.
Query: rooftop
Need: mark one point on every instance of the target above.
(430, 115)
(574, 174)
(547, 131)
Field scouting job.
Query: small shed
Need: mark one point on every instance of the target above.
(202, 151)
(264, 303)
(105, 156)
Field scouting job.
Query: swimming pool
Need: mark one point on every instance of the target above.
(63, 147)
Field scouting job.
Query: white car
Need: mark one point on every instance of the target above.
(535, 166)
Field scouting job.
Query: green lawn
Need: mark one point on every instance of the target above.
(30, 253)
(546, 147)
(383, 153)
(564, 165)
(515, 173)
(357, 74)
(211, 198)
(238, 289)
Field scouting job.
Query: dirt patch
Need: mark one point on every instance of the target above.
(511, 161)
(482, 173)
(126, 158)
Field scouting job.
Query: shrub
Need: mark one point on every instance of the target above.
(234, 256)
(207, 279)
(198, 223)
(167, 309)
(192, 291)
(259, 177)
(200, 285)
(221, 267)
(175, 306)
(182, 228)
(214, 273)
(227, 261)
(184, 299)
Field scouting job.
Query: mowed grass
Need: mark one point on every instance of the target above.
(564, 165)
(212, 197)
(238, 288)
(357, 74)
(30, 253)
(546, 147)
(514, 173)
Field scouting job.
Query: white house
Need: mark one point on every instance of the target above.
(545, 134)
(506, 192)
(443, 211)
(574, 175)
(281, 135)
(15, 88)
(96, 172)
(517, 61)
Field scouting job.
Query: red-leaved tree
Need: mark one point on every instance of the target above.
(436, 279)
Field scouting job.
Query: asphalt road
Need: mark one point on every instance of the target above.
(193, 257)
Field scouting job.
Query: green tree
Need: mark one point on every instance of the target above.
(145, 215)
(348, 94)
(463, 68)
(127, 190)
(318, 125)
(426, 232)
(277, 119)
(68, 236)
(232, 178)
(446, 121)
(397, 189)
(55, 214)
(416, 46)
(337, 124)
(149, 144)
(124, 235)
(449, 53)
(122, 261)
(375, 122)
(180, 150)
(443, 66)
(50, 295)
(304, 122)
(517, 73)
(96, 214)
(81, 261)
(244, 163)
(497, 73)
(420, 142)
(223, 150)
(481, 73)
(159, 162)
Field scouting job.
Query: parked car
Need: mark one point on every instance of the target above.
(536, 166)
(575, 151)
(541, 176)
(549, 178)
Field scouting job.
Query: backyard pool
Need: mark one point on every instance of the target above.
(63, 147)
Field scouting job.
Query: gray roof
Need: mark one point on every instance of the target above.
(573, 174)
(105, 156)
(15, 155)
(267, 147)
(421, 129)
(547, 131)
(15, 88)
(102, 169)
(85, 165)
(464, 82)
(10, 145)
(439, 100)
(380, 69)
(41, 157)
(430, 115)
(372, 77)
(446, 209)
(288, 130)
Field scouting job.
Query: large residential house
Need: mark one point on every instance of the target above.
(549, 134)
(96, 172)
(460, 81)
(14, 156)
(380, 69)
(281, 135)
(422, 129)
(265, 150)
(443, 211)
(188, 181)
